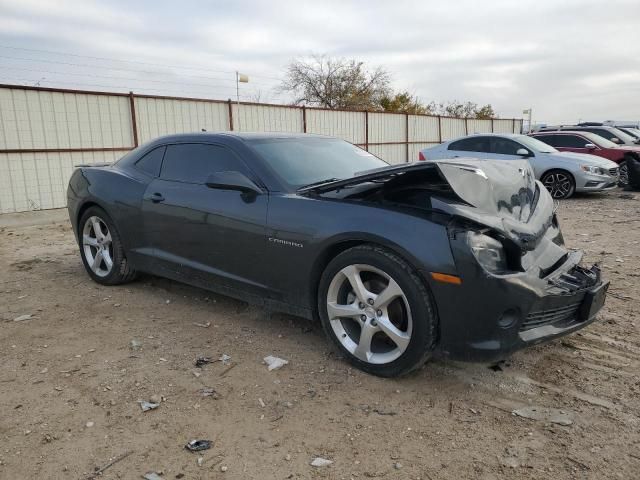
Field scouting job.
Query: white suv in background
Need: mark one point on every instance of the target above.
(563, 173)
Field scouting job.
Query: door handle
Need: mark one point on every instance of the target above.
(157, 197)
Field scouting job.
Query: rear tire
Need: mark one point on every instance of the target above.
(559, 183)
(386, 323)
(101, 249)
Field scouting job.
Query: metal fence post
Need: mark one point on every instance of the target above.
(366, 130)
(230, 114)
(304, 119)
(406, 126)
(439, 129)
(134, 125)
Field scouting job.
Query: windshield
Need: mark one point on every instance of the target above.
(598, 140)
(535, 144)
(300, 161)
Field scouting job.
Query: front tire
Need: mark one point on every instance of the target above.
(623, 180)
(559, 183)
(101, 249)
(377, 311)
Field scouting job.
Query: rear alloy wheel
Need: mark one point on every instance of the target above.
(101, 249)
(623, 180)
(377, 311)
(559, 183)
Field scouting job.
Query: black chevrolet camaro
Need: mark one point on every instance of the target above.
(462, 259)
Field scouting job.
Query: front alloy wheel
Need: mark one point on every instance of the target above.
(369, 314)
(560, 184)
(377, 310)
(623, 180)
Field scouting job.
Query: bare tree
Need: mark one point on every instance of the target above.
(336, 83)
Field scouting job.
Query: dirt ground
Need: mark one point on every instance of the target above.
(71, 380)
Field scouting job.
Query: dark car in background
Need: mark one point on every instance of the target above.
(462, 259)
(612, 134)
(581, 141)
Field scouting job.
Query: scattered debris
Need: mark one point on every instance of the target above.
(320, 462)
(384, 412)
(225, 359)
(89, 424)
(553, 415)
(208, 392)
(202, 361)
(397, 465)
(28, 316)
(135, 344)
(224, 468)
(155, 398)
(261, 402)
(100, 470)
(200, 461)
(151, 476)
(146, 406)
(274, 363)
(198, 445)
(203, 325)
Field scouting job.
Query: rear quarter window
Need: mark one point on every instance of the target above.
(151, 162)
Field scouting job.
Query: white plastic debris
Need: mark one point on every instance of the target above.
(152, 476)
(320, 462)
(274, 363)
(28, 316)
(225, 359)
(146, 406)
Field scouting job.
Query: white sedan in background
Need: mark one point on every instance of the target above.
(563, 173)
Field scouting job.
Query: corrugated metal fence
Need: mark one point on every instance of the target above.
(44, 132)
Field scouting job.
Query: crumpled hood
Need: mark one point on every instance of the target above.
(504, 196)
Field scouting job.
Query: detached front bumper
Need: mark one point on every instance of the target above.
(488, 317)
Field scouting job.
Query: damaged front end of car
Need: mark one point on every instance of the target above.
(518, 285)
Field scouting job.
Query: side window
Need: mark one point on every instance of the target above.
(572, 141)
(471, 144)
(151, 162)
(549, 139)
(504, 146)
(603, 133)
(194, 162)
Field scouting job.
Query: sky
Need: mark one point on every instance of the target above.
(567, 60)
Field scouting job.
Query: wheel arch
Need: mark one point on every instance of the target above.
(338, 246)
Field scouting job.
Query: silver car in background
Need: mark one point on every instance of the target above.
(563, 173)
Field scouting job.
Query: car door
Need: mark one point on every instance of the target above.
(203, 235)
(475, 147)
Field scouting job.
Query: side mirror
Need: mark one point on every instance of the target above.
(523, 152)
(615, 139)
(232, 181)
(590, 146)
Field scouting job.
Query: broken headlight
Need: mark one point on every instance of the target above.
(489, 252)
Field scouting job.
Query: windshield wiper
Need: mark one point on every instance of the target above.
(320, 182)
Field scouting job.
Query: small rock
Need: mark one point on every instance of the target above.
(320, 462)
(146, 406)
(155, 398)
(224, 468)
(274, 363)
(89, 424)
(287, 457)
(135, 344)
(397, 465)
